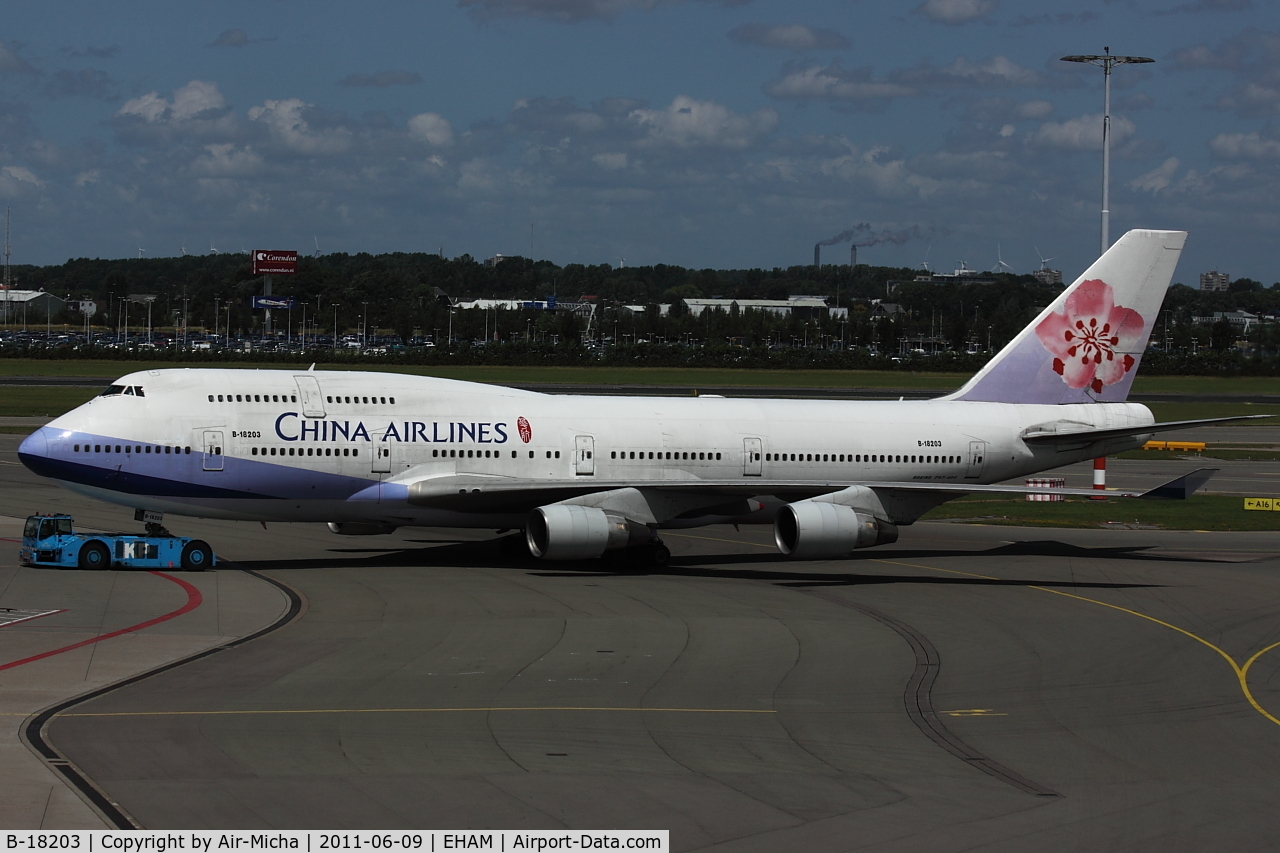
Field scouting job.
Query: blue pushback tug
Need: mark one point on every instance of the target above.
(49, 540)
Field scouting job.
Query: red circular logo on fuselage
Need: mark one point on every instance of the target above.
(526, 431)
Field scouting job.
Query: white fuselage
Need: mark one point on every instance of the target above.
(338, 446)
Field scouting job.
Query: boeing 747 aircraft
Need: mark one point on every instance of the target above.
(581, 476)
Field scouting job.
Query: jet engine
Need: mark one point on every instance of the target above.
(360, 528)
(816, 530)
(572, 532)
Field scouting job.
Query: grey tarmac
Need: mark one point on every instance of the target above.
(886, 702)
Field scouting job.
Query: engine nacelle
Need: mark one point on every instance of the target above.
(361, 528)
(814, 530)
(572, 532)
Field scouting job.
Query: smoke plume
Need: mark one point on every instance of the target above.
(862, 235)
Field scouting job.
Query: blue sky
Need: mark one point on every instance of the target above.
(700, 133)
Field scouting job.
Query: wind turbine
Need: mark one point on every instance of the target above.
(1000, 261)
(316, 253)
(213, 250)
(184, 247)
(924, 265)
(1044, 262)
(141, 251)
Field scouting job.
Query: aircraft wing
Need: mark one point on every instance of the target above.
(489, 494)
(1087, 436)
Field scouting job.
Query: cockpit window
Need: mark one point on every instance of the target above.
(129, 390)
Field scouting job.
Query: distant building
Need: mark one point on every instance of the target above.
(36, 303)
(1214, 280)
(664, 309)
(963, 275)
(494, 261)
(1044, 275)
(1242, 319)
(805, 307)
(892, 310)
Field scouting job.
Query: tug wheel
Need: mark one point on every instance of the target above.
(197, 556)
(94, 556)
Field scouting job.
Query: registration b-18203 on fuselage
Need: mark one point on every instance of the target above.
(583, 475)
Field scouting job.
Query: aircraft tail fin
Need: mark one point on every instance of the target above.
(1086, 346)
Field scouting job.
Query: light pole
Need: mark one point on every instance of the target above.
(1106, 62)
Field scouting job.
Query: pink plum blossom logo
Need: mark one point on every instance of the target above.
(1092, 338)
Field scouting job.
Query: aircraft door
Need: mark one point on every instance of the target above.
(212, 450)
(381, 457)
(310, 398)
(977, 458)
(751, 465)
(584, 451)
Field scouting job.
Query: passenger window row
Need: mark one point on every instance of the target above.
(298, 451)
(691, 455)
(862, 457)
(131, 448)
(454, 453)
(256, 398)
(383, 401)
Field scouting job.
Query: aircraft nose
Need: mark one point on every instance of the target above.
(34, 449)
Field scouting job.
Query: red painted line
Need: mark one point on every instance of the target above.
(194, 600)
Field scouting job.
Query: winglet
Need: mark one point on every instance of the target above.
(1181, 488)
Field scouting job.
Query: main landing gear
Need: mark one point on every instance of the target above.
(654, 554)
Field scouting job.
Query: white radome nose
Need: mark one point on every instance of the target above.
(34, 445)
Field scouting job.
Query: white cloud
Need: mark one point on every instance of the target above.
(22, 174)
(432, 128)
(188, 102)
(1034, 109)
(992, 72)
(1158, 178)
(956, 11)
(689, 122)
(833, 83)
(789, 37)
(1083, 133)
(226, 160)
(288, 124)
(1244, 146)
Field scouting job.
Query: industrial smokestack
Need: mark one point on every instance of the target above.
(853, 256)
(817, 254)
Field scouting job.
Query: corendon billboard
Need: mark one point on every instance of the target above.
(274, 263)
